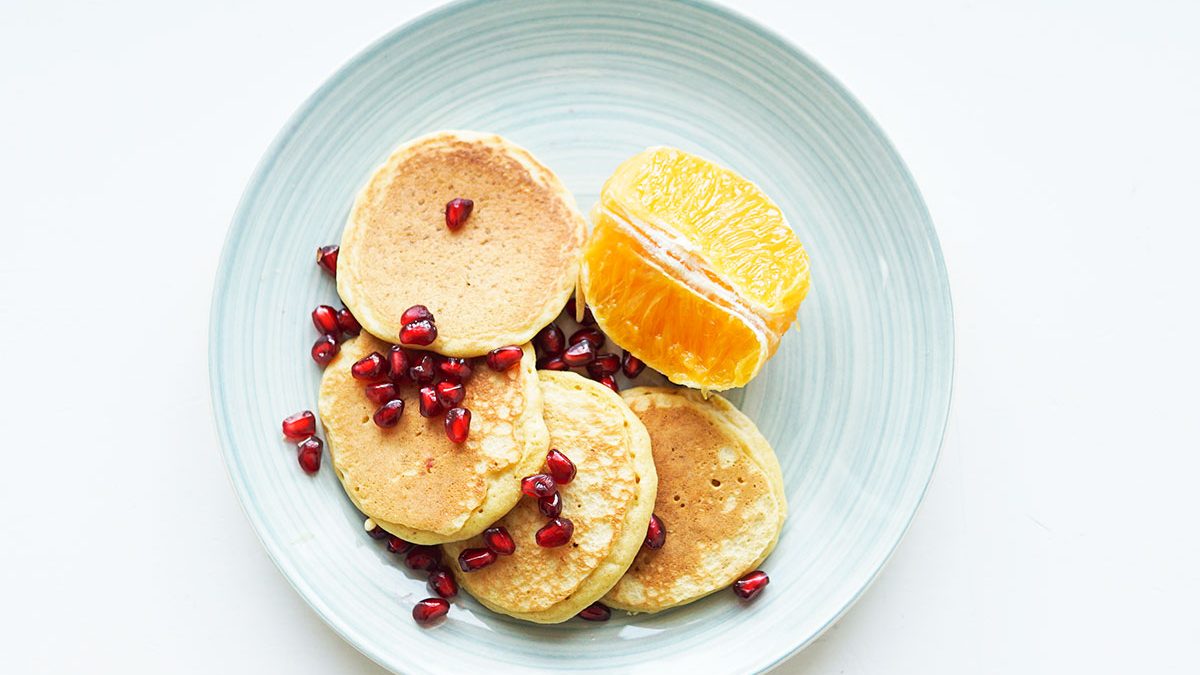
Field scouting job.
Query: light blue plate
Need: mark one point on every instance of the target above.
(854, 402)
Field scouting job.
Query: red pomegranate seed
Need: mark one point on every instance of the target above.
(430, 610)
(310, 454)
(553, 363)
(499, 540)
(423, 558)
(551, 506)
(579, 354)
(421, 332)
(327, 259)
(605, 364)
(301, 425)
(588, 319)
(458, 424)
(751, 585)
(417, 313)
(503, 358)
(370, 367)
(421, 370)
(610, 382)
(591, 334)
(443, 583)
(381, 393)
(555, 533)
(397, 362)
(454, 367)
(631, 365)
(397, 545)
(551, 340)
(429, 404)
(324, 349)
(561, 468)
(451, 393)
(347, 323)
(388, 414)
(324, 318)
(656, 532)
(595, 612)
(375, 531)
(538, 485)
(472, 559)
(457, 212)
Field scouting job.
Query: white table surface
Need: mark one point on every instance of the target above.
(1057, 146)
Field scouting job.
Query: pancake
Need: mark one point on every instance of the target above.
(720, 496)
(412, 480)
(609, 501)
(496, 281)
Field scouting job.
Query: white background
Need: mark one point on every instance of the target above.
(1057, 146)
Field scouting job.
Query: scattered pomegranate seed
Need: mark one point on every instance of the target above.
(327, 259)
(421, 332)
(538, 485)
(430, 609)
(454, 367)
(451, 393)
(375, 531)
(417, 313)
(381, 393)
(421, 370)
(605, 364)
(551, 505)
(301, 425)
(631, 365)
(324, 318)
(347, 323)
(656, 532)
(370, 367)
(429, 404)
(443, 583)
(610, 382)
(553, 363)
(555, 533)
(397, 362)
(591, 334)
(499, 540)
(397, 545)
(388, 414)
(458, 424)
(588, 319)
(472, 559)
(595, 612)
(751, 585)
(561, 468)
(579, 354)
(310, 454)
(457, 212)
(423, 558)
(551, 340)
(503, 358)
(324, 349)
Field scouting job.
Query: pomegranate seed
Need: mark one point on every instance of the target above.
(301, 425)
(579, 354)
(397, 545)
(656, 532)
(553, 363)
(458, 424)
(472, 559)
(327, 259)
(430, 609)
(428, 402)
(423, 558)
(555, 533)
(595, 612)
(451, 393)
(370, 367)
(421, 371)
(551, 340)
(562, 469)
(421, 332)
(503, 358)
(381, 393)
(388, 414)
(631, 365)
(751, 585)
(457, 212)
(397, 362)
(587, 319)
(324, 349)
(538, 485)
(591, 334)
(610, 382)
(347, 322)
(417, 313)
(443, 583)
(324, 318)
(499, 541)
(605, 364)
(374, 531)
(454, 367)
(310, 454)
(551, 506)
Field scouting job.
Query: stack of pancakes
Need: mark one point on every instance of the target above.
(695, 461)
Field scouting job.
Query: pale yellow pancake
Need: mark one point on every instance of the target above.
(720, 495)
(609, 501)
(412, 480)
(496, 281)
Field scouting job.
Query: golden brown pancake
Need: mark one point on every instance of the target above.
(496, 281)
(609, 502)
(411, 479)
(720, 496)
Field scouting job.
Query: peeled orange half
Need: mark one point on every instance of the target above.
(692, 268)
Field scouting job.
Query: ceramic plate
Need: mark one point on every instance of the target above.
(855, 401)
